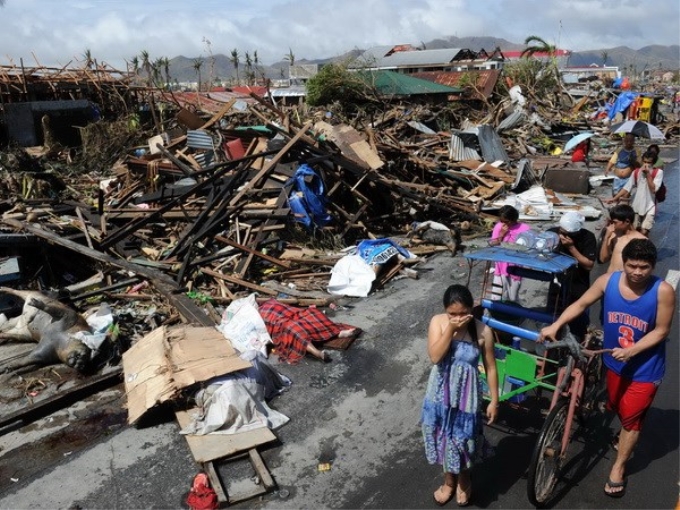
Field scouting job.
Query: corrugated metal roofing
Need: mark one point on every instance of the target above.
(538, 54)
(486, 78)
(491, 144)
(375, 58)
(199, 139)
(247, 89)
(293, 91)
(371, 55)
(459, 152)
(418, 58)
(390, 83)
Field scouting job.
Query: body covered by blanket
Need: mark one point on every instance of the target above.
(292, 328)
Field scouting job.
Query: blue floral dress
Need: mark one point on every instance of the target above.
(452, 415)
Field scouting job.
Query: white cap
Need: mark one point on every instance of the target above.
(571, 222)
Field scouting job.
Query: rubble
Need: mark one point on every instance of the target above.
(171, 225)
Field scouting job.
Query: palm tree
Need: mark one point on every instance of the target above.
(166, 69)
(535, 44)
(290, 57)
(605, 56)
(249, 69)
(197, 64)
(135, 64)
(146, 65)
(157, 68)
(89, 61)
(234, 59)
(259, 70)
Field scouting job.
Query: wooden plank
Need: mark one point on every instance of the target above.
(273, 260)
(93, 254)
(44, 407)
(214, 446)
(215, 481)
(242, 267)
(269, 166)
(238, 281)
(261, 469)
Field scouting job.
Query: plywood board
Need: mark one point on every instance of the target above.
(351, 143)
(214, 446)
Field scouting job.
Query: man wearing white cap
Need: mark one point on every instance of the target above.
(580, 243)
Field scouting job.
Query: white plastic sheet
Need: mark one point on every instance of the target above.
(243, 326)
(351, 276)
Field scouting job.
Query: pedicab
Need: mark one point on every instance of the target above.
(569, 370)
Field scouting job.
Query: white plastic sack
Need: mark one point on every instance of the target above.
(351, 276)
(243, 326)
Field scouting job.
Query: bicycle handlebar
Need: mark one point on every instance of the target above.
(575, 348)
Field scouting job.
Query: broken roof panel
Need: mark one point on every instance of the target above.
(377, 58)
(391, 83)
(486, 80)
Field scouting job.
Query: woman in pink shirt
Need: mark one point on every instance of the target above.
(506, 231)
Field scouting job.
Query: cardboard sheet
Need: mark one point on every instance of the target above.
(169, 359)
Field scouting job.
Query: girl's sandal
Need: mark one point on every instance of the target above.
(463, 496)
(442, 493)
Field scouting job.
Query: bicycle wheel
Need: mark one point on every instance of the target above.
(546, 460)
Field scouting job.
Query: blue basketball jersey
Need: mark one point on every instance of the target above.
(626, 321)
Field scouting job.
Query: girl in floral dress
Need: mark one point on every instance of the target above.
(452, 411)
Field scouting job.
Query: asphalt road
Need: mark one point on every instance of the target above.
(360, 414)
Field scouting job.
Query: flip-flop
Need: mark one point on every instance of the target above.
(442, 503)
(467, 493)
(616, 485)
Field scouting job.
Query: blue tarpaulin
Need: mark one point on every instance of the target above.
(554, 263)
(307, 199)
(379, 251)
(622, 103)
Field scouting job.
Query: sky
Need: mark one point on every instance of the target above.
(58, 32)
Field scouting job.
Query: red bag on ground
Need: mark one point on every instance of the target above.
(202, 496)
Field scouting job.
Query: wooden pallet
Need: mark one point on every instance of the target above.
(211, 448)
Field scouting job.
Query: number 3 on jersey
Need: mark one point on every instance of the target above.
(626, 339)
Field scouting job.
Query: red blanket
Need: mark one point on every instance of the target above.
(292, 328)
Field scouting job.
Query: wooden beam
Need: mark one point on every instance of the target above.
(239, 281)
(53, 238)
(273, 260)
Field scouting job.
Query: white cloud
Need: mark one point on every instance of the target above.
(114, 30)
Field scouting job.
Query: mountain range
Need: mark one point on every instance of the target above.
(649, 57)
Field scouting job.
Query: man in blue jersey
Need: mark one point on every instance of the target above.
(638, 310)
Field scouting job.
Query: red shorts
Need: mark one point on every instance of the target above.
(629, 399)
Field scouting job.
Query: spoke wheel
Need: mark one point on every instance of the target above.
(546, 459)
(593, 387)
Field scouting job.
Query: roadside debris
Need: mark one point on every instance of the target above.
(198, 217)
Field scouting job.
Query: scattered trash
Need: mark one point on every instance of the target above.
(202, 496)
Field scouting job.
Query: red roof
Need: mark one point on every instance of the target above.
(485, 79)
(247, 89)
(538, 54)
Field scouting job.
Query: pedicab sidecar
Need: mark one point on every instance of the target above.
(521, 364)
